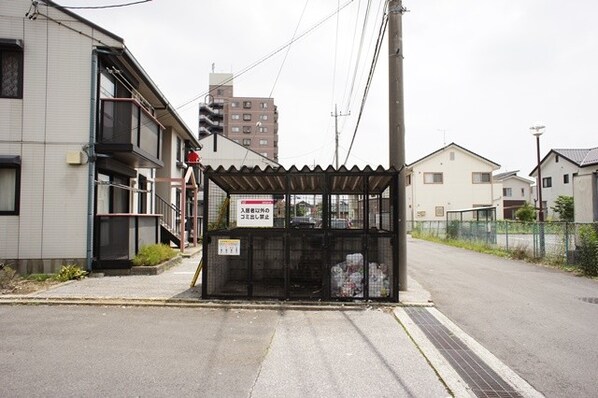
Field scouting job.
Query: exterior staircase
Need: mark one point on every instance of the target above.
(169, 222)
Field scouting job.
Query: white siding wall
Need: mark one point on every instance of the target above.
(556, 170)
(457, 190)
(52, 119)
(230, 154)
(586, 198)
(517, 185)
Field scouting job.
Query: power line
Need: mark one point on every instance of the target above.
(103, 7)
(288, 49)
(266, 57)
(370, 76)
(358, 57)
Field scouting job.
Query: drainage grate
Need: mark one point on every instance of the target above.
(591, 300)
(483, 381)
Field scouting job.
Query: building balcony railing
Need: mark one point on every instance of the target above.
(118, 237)
(129, 133)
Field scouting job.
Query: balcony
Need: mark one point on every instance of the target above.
(129, 133)
(118, 238)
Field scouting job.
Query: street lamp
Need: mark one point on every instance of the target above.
(537, 131)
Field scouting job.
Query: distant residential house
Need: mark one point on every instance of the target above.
(570, 172)
(86, 141)
(516, 191)
(450, 178)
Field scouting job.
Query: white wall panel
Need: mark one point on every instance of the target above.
(64, 205)
(69, 79)
(32, 175)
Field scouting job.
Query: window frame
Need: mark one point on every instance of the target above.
(12, 46)
(546, 182)
(507, 192)
(481, 174)
(565, 178)
(13, 163)
(433, 174)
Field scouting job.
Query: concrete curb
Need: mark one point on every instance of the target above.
(198, 303)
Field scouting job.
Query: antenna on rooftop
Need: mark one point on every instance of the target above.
(213, 67)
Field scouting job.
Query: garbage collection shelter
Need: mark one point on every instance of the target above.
(252, 250)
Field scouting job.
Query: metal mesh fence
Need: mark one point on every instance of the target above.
(555, 240)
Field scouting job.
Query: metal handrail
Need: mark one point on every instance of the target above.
(170, 215)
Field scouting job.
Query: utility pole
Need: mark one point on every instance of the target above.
(336, 115)
(396, 125)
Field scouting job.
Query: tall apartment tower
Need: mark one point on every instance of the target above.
(249, 121)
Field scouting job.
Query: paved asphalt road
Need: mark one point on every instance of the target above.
(531, 317)
(92, 351)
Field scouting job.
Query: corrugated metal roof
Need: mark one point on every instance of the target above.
(276, 180)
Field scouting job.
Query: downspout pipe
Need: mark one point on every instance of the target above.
(91, 159)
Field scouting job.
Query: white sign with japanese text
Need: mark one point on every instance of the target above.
(255, 213)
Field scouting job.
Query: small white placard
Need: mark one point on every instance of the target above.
(229, 247)
(255, 213)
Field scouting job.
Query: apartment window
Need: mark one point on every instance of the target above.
(565, 178)
(275, 144)
(247, 141)
(247, 117)
(247, 129)
(234, 104)
(247, 104)
(235, 116)
(522, 192)
(546, 182)
(264, 105)
(452, 155)
(408, 180)
(11, 68)
(10, 185)
(263, 142)
(480, 178)
(264, 154)
(433, 178)
(439, 211)
(263, 129)
(179, 149)
(235, 129)
(263, 117)
(507, 192)
(219, 100)
(556, 158)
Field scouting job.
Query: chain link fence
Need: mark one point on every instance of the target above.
(556, 241)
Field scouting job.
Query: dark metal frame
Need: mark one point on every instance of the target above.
(277, 181)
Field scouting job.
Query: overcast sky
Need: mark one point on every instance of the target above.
(477, 72)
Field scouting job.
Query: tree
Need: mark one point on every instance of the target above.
(563, 206)
(527, 212)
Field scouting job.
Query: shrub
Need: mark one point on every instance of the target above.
(69, 272)
(526, 213)
(587, 250)
(563, 206)
(153, 255)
